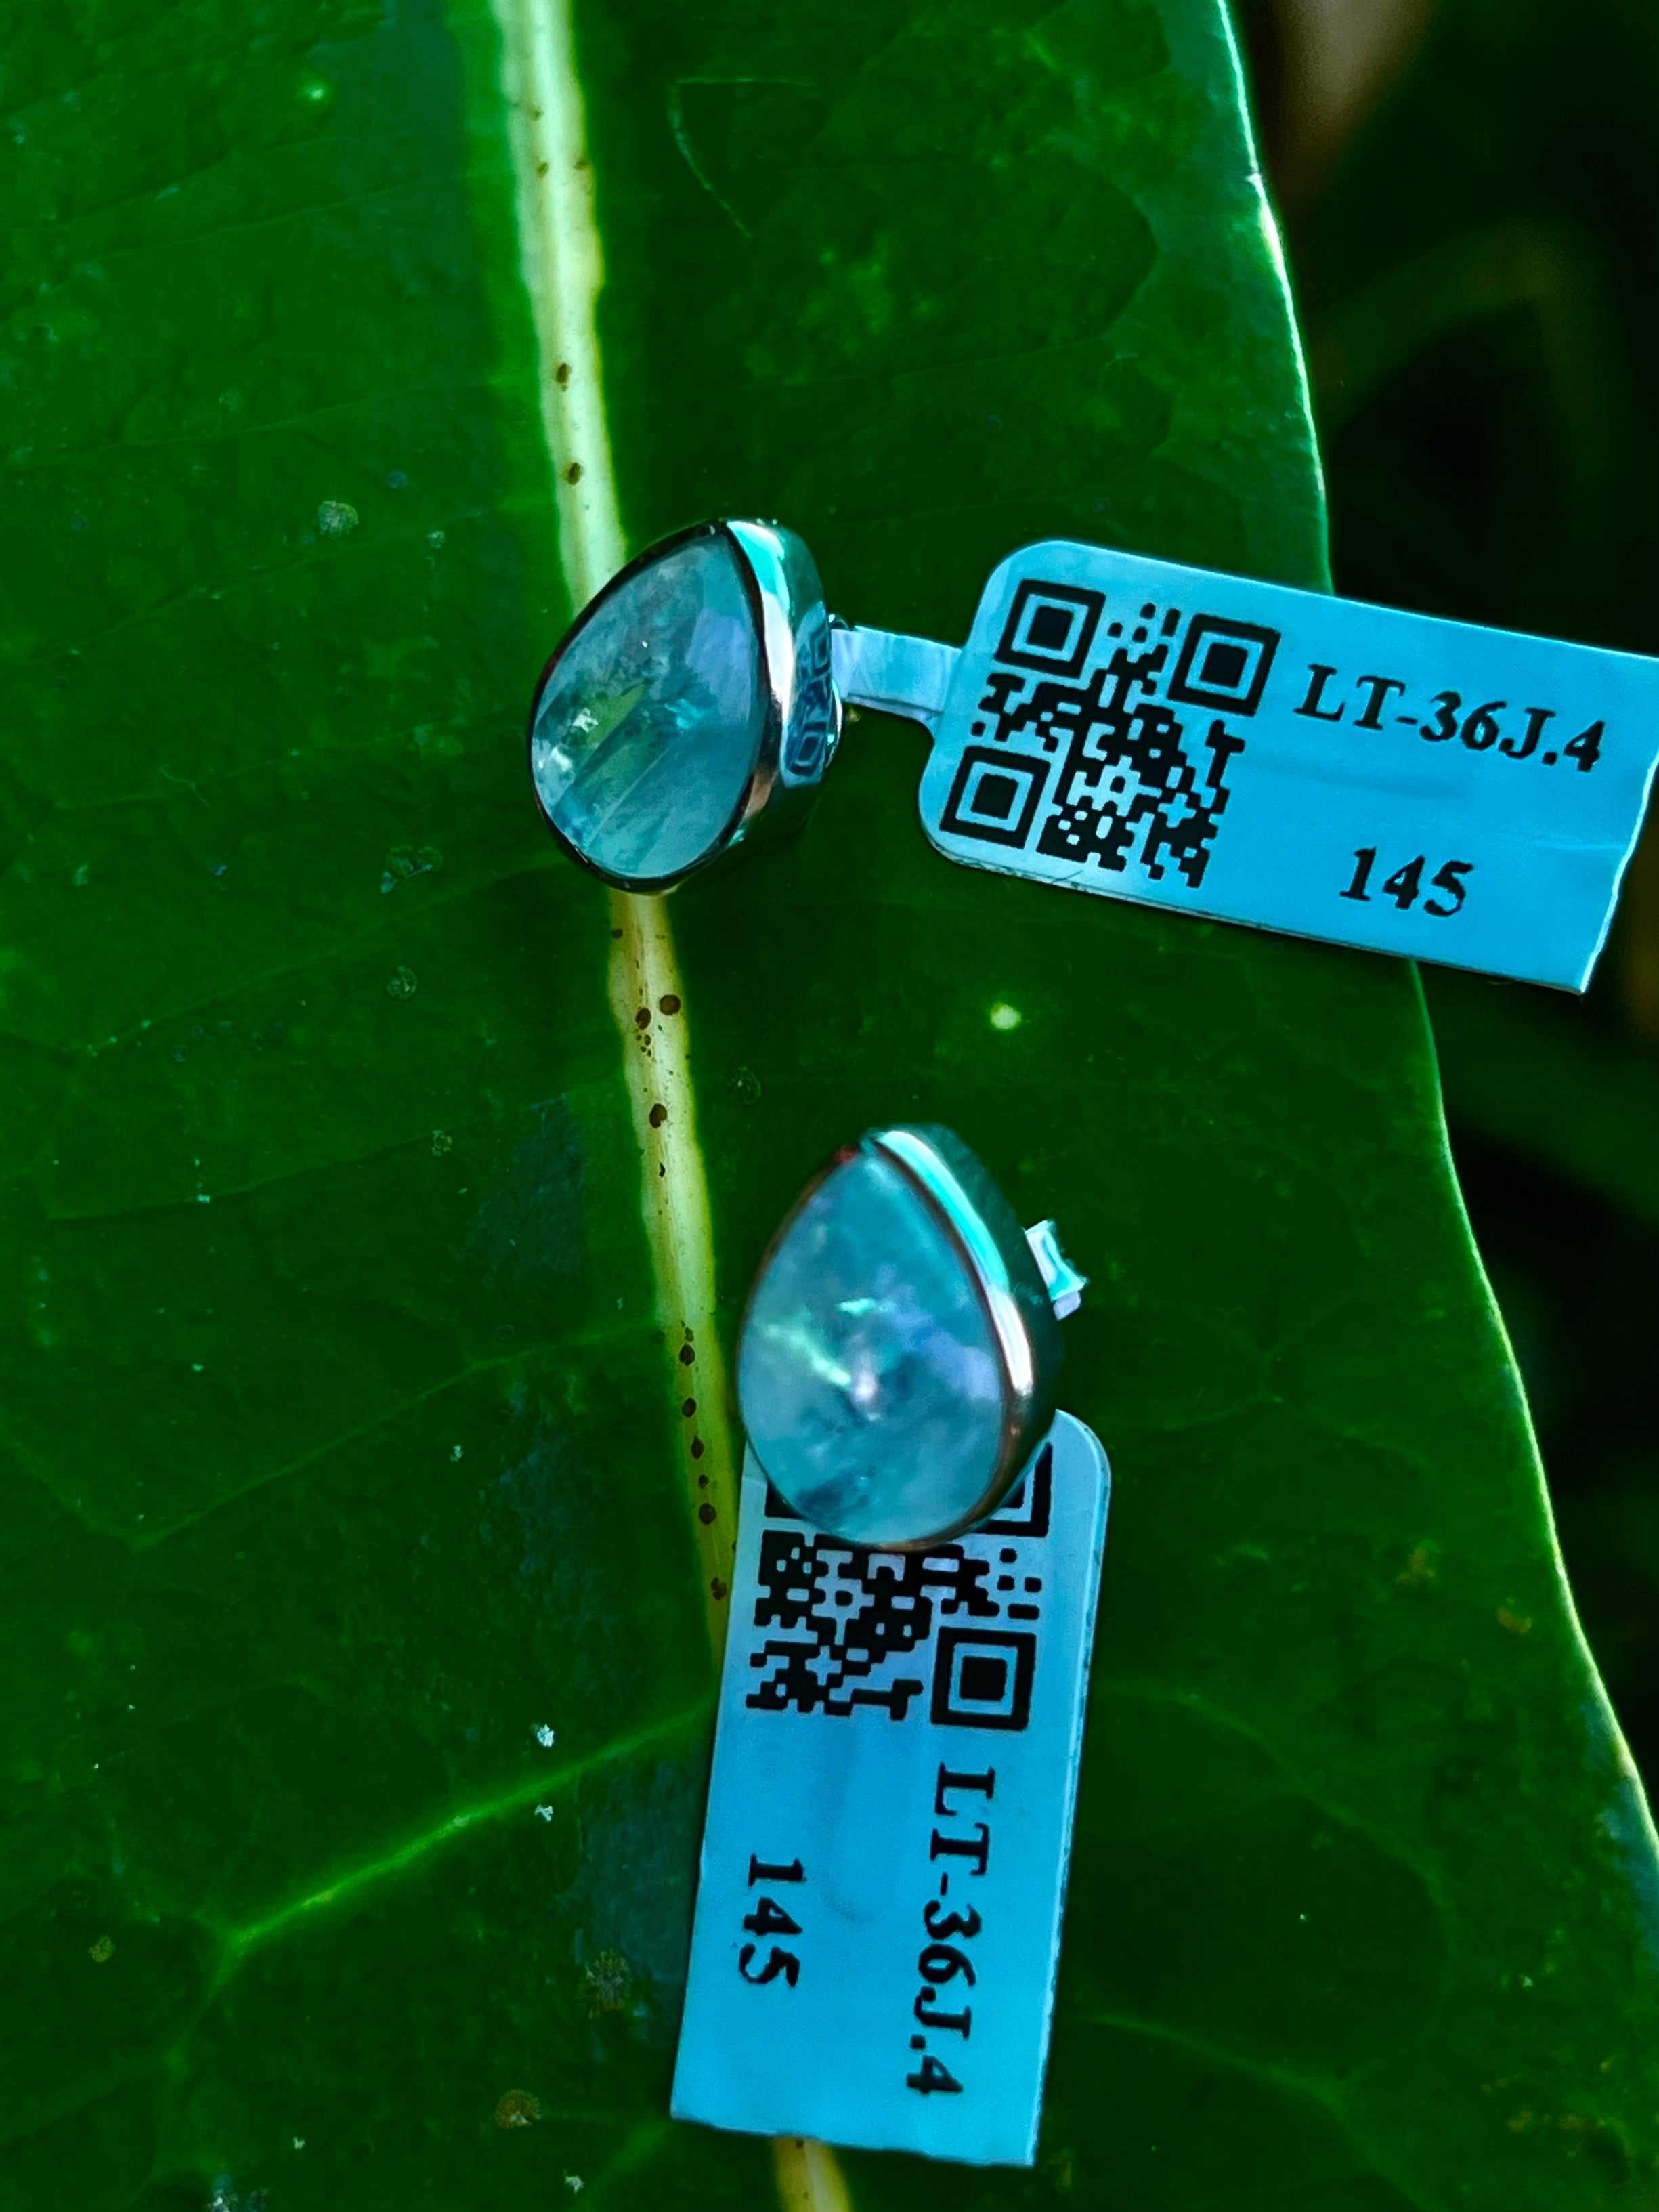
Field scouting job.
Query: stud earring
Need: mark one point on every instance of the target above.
(688, 704)
(898, 1360)
(695, 702)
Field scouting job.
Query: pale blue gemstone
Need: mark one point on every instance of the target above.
(649, 729)
(869, 1378)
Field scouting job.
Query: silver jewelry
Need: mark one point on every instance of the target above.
(896, 1365)
(697, 702)
(1128, 729)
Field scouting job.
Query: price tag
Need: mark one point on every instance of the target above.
(889, 1814)
(1305, 763)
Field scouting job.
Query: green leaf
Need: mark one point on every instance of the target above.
(345, 1455)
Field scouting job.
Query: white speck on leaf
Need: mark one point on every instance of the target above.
(1005, 1016)
(337, 518)
(572, 2182)
(543, 1812)
(544, 1737)
(456, 1451)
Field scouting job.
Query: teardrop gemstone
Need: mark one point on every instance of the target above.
(869, 1377)
(649, 728)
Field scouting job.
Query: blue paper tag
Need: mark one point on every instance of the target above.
(1262, 755)
(889, 1817)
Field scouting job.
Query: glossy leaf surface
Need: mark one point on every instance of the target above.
(342, 1467)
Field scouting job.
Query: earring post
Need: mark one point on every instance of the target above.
(892, 673)
(1064, 1284)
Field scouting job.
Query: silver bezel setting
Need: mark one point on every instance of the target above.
(801, 725)
(993, 1248)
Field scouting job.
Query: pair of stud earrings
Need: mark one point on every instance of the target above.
(897, 1365)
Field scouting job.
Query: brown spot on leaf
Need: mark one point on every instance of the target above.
(541, 168)
(719, 1589)
(642, 1019)
(574, 473)
(561, 376)
(696, 1447)
(689, 1407)
(668, 1004)
(516, 2109)
(102, 1949)
(1517, 1623)
(658, 1115)
(705, 1513)
(687, 1355)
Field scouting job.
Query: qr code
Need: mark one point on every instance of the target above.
(1086, 762)
(841, 1625)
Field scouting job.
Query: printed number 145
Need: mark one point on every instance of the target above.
(1403, 885)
